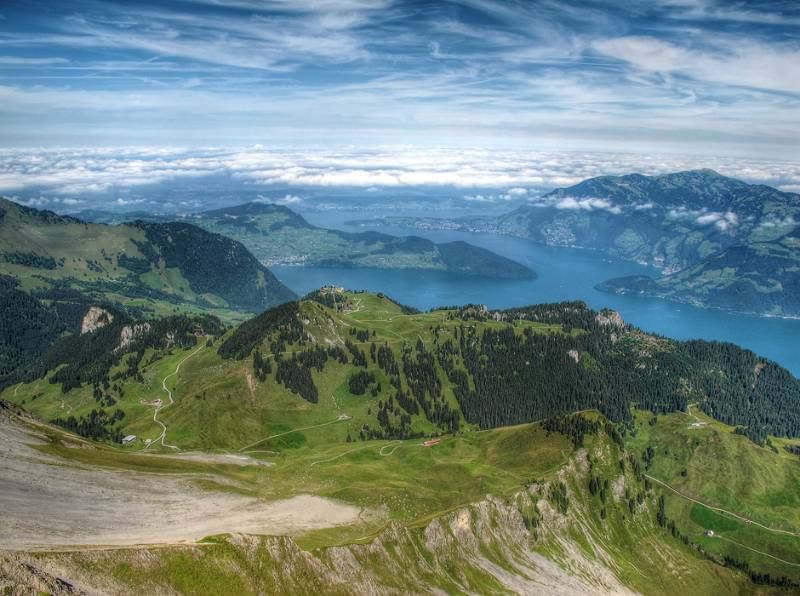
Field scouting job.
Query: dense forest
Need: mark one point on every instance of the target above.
(744, 390)
(98, 425)
(28, 327)
(281, 320)
(517, 373)
(214, 264)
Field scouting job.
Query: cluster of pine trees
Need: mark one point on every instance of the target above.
(30, 259)
(27, 329)
(97, 425)
(296, 377)
(423, 380)
(261, 367)
(575, 427)
(359, 357)
(359, 382)
(281, 321)
(361, 335)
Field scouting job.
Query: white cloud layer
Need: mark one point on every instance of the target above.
(496, 175)
(590, 204)
(285, 200)
(722, 221)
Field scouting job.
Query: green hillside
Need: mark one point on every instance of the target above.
(336, 396)
(54, 268)
(145, 267)
(585, 516)
(506, 511)
(398, 374)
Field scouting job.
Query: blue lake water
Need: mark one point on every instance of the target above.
(564, 274)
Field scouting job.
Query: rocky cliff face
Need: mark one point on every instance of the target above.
(525, 543)
(131, 332)
(484, 548)
(95, 318)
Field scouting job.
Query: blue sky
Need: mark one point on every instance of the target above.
(689, 76)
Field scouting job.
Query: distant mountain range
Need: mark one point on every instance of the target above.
(720, 242)
(276, 235)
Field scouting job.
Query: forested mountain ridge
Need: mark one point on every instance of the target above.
(276, 235)
(405, 374)
(145, 267)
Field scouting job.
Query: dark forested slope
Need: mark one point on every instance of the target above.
(147, 267)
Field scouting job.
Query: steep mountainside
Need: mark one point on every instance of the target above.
(759, 277)
(670, 221)
(279, 236)
(402, 375)
(146, 267)
(553, 535)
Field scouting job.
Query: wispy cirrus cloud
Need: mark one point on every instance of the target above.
(703, 76)
(725, 60)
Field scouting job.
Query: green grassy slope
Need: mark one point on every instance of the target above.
(757, 487)
(148, 268)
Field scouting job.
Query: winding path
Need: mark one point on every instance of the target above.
(721, 510)
(163, 436)
(322, 461)
(760, 552)
(394, 446)
(340, 418)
